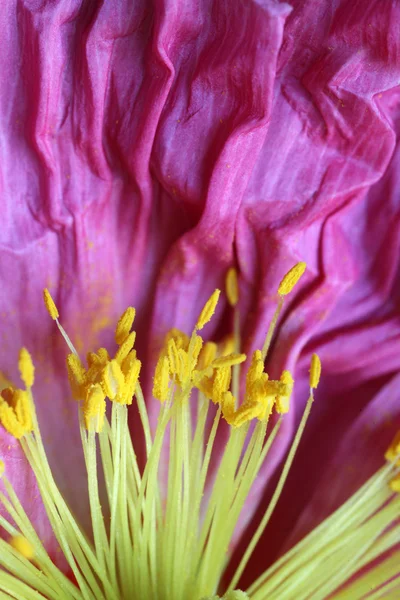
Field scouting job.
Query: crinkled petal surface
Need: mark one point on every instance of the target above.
(149, 146)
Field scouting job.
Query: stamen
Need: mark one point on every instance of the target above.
(274, 500)
(113, 379)
(131, 369)
(173, 357)
(15, 412)
(125, 347)
(285, 287)
(94, 408)
(228, 360)
(285, 391)
(50, 304)
(125, 325)
(20, 543)
(232, 286)
(208, 310)
(315, 371)
(76, 376)
(26, 368)
(207, 355)
(394, 484)
(161, 379)
(393, 452)
(291, 278)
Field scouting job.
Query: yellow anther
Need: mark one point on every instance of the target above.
(124, 325)
(103, 355)
(183, 371)
(21, 544)
(315, 371)
(9, 420)
(246, 413)
(113, 379)
(50, 304)
(232, 286)
(392, 454)
(196, 344)
(125, 347)
(99, 358)
(222, 381)
(207, 355)
(208, 310)
(291, 278)
(394, 484)
(228, 361)
(161, 379)
(8, 395)
(128, 362)
(255, 372)
(181, 339)
(92, 359)
(26, 368)
(94, 408)
(173, 356)
(131, 370)
(22, 407)
(283, 399)
(227, 346)
(76, 376)
(15, 412)
(2, 468)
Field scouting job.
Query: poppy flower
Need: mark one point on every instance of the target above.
(149, 148)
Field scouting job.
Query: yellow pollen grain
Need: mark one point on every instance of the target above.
(229, 360)
(21, 544)
(291, 278)
(50, 304)
(2, 468)
(315, 371)
(232, 286)
(26, 368)
(124, 325)
(161, 379)
(208, 310)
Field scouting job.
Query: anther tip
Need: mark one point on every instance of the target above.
(315, 371)
(291, 278)
(50, 304)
